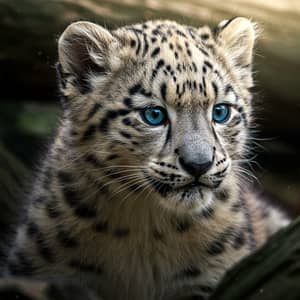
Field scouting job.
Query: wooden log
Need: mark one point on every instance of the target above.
(272, 273)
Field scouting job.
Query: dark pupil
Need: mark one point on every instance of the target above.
(220, 111)
(155, 114)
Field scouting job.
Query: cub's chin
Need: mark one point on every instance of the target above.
(192, 199)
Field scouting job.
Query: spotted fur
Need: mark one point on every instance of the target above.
(112, 205)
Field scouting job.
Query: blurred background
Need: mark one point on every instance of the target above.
(29, 104)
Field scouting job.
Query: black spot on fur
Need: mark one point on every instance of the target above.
(157, 234)
(208, 64)
(179, 32)
(92, 159)
(123, 112)
(207, 212)
(93, 111)
(215, 87)
(125, 134)
(85, 267)
(182, 225)
(73, 197)
(104, 125)
(158, 66)
(179, 47)
(44, 249)
(204, 83)
(85, 211)
(190, 272)
(164, 39)
(121, 232)
(89, 133)
(203, 51)
(168, 136)
(155, 52)
(157, 31)
(146, 45)
(237, 206)
(243, 114)
(132, 43)
(239, 240)
(204, 36)
(216, 247)
(200, 87)
(146, 94)
(65, 239)
(222, 195)
(32, 229)
(218, 74)
(230, 235)
(101, 226)
(163, 90)
(136, 31)
(111, 115)
(135, 89)
(52, 210)
(228, 89)
(126, 121)
(70, 195)
(128, 102)
(112, 157)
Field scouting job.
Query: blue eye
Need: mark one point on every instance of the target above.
(221, 113)
(154, 116)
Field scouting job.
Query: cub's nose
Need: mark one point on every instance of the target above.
(196, 167)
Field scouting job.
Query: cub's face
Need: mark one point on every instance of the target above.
(159, 108)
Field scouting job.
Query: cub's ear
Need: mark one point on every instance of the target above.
(87, 49)
(237, 36)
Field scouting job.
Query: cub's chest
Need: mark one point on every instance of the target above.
(155, 266)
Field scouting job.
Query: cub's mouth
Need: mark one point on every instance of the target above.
(194, 185)
(166, 189)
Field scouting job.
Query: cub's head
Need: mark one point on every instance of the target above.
(159, 109)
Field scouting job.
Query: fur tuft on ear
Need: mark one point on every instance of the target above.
(237, 36)
(86, 49)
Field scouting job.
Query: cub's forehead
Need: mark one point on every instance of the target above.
(178, 60)
(169, 34)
